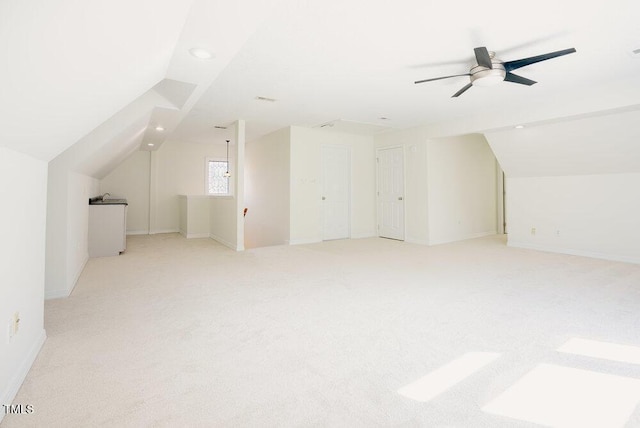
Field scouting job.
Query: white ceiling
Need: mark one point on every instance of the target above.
(356, 61)
(67, 67)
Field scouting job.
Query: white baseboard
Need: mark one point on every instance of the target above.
(363, 235)
(137, 232)
(304, 241)
(224, 242)
(156, 232)
(418, 241)
(56, 294)
(572, 252)
(66, 292)
(73, 283)
(465, 237)
(196, 235)
(10, 391)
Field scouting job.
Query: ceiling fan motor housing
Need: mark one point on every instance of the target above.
(483, 76)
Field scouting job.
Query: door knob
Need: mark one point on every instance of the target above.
(323, 198)
(399, 198)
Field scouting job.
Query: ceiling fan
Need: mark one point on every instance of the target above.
(491, 70)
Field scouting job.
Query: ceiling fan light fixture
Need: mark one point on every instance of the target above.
(482, 76)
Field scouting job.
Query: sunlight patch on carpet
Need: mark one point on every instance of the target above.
(603, 350)
(566, 397)
(443, 378)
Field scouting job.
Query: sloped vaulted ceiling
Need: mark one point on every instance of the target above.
(66, 66)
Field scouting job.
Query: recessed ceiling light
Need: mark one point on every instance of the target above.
(159, 128)
(519, 126)
(150, 144)
(201, 53)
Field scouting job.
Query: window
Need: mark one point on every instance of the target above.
(217, 183)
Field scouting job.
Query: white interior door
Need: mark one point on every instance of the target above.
(336, 200)
(391, 193)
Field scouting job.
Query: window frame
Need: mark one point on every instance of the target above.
(229, 194)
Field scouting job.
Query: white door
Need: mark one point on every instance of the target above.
(336, 182)
(391, 193)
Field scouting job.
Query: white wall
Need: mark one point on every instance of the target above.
(194, 216)
(575, 182)
(80, 189)
(153, 180)
(461, 189)
(450, 185)
(589, 215)
(67, 214)
(180, 170)
(226, 220)
(130, 180)
(267, 190)
(152, 183)
(23, 192)
(222, 221)
(306, 185)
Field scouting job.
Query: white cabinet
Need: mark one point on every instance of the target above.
(107, 229)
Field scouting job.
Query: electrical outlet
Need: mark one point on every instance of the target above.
(533, 230)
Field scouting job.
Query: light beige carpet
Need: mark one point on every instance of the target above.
(180, 332)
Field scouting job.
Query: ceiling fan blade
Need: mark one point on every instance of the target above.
(518, 63)
(440, 78)
(510, 77)
(483, 57)
(457, 94)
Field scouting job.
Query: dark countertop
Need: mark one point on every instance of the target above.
(99, 201)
